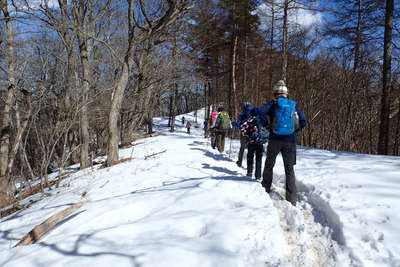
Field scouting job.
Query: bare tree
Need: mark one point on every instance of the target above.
(5, 120)
(383, 141)
(84, 18)
(148, 28)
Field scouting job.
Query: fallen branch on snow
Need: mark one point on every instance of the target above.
(38, 231)
(154, 154)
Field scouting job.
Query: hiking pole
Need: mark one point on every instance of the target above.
(230, 144)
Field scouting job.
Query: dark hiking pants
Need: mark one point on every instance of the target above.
(220, 140)
(206, 132)
(213, 138)
(244, 140)
(288, 150)
(256, 149)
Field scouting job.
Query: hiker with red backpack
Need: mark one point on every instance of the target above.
(213, 119)
(285, 121)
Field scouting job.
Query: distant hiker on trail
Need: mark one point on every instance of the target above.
(183, 120)
(205, 127)
(244, 139)
(188, 126)
(222, 127)
(282, 114)
(257, 135)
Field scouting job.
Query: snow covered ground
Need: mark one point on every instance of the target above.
(178, 202)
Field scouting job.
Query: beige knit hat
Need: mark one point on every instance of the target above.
(280, 88)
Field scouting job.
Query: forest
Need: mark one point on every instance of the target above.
(81, 78)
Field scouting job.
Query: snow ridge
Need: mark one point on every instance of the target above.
(309, 243)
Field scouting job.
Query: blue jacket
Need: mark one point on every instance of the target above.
(243, 116)
(267, 110)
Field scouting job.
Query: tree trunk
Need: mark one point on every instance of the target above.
(66, 106)
(81, 30)
(244, 84)
(396, 146)
(233, 107)
(174, 90)
(173, 105)
(116, 101)
(285, 40)
(152, 27)
(22, 124)
(271, 45)
(5, 121)
(358, 38)
(84, 120)
(383, 140)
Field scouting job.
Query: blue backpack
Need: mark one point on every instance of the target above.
(284, 120)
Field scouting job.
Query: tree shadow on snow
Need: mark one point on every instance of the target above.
(219, 157)
(88, 239)
(198, 143)
(164, 186)
(220, 169)
(101, 243)
(234, 178)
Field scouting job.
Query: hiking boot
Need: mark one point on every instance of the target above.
(258, 179)
(268, 190)
(239, 164)
(249, 174)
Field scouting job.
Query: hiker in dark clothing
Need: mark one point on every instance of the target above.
(183, 120)
(257, 150)
(244, 140)
(205, 127)
(188, 126)
(254, 146)
(281, 139)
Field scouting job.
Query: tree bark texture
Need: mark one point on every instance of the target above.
(285, 40)
(5, 121)
(383, 141)
(81, 30)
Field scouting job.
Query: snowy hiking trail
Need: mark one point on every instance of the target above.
(243, 202)
(192, 206)
(173, 208)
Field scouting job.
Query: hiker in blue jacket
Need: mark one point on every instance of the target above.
(285, 120)
(244, 140)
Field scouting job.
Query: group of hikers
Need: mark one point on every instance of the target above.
(277, 122)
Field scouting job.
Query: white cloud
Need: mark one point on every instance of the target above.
(298, 17)
(306, 18)
(36, 3)
(50, 3)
